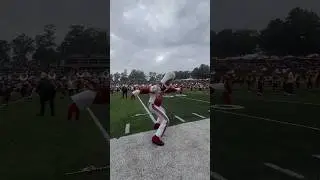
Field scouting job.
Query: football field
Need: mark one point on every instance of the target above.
(130, 113)
(52, 148)
(186, 153)
(269, 137)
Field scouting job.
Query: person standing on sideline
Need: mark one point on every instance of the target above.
(124, 90)
(46, 91)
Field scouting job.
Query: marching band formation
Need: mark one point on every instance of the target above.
(27, 84)
(74, 83)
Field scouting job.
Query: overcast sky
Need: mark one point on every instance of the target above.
(159, 35)
(29, 16)
(152, 35)
(254, 14)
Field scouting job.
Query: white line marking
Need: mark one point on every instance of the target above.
(217, 176)
(88, 169)
(285, 171)
(136, 115)
(147, 110)
(127, 129)
(198, 115)
(195, 99)
(182, 120)
(97, 122)
(316, 156)
(271, 120)
(226, 107)
(180, 95)
(290, 102)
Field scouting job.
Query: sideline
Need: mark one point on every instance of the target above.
(270, 120)
(98, 124)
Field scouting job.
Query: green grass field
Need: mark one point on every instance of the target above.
(275, 129)
(48, 147)
(124, 111)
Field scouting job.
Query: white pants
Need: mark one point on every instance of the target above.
(162, 118)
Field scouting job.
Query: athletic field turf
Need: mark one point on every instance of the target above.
(271, 137)
(132, 114)
(48, 147)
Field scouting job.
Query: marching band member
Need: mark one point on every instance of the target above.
(227, 89)
(24, 84)
(290, 83)
(260, 86)
(51, 75)
(156, 93)
(71, 86)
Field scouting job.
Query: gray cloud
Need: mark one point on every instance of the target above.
(29, 16)
(159, 36)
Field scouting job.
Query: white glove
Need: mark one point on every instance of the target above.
(136, 92)
(154, 89)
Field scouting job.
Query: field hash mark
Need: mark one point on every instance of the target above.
(200, 116)
(179, 118)
(127, 129)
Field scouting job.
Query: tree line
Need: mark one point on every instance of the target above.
(298, 34)
(44, 49)
(138, 76)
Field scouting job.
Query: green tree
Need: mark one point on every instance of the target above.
(4, 51)
(84, 41)
(137, 76)
(124, 76)
(159, 77)
(273, 39)
(116, 77)
(182, 74)
(201, 72)
(298, 34)
(22, 46)
(152, 76)
(46, 47)
(222, 44)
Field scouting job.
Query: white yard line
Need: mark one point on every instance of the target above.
(179, 118)
(270, 120)
(198, 115)
(316, 156)
(88, 170)
(266, 100)
(127, 129)
(98, 124)
(195, 100)
(136, 115)
(284, 171)
(147, 110)
(290, 102)
(217, 176)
